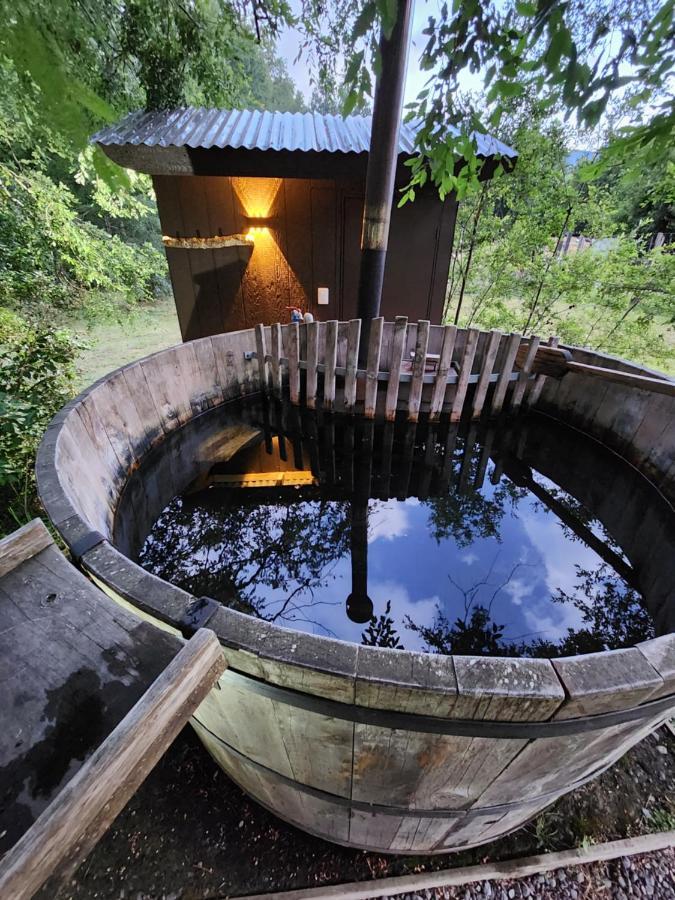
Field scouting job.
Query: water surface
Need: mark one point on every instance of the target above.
(427, 538)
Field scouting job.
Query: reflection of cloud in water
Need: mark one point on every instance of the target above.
(387, 520)
(334, 623)
(558, 557)
(518, 590)
(469, 558)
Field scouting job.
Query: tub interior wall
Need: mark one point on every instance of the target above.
(307, 766)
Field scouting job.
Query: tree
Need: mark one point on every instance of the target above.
(575, 56)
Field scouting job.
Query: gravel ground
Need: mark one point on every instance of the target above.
(190, 834)
(650, 875)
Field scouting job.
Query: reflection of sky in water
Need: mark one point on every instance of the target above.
(533, 557)
(479, 569)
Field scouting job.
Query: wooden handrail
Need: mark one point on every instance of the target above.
(69, 828)
(556, 362)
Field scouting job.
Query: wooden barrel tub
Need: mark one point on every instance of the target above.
(388, 750)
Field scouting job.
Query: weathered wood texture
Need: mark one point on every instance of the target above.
(73, 665)
(392, 789)
(241, 250)
(84, 809)
(460, 876)
(416, 367)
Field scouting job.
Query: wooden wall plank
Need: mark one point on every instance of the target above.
(330, 361)
(512, 345)
(312, 363)
(523, 378)
(275, 352)
(261, 353)
(293, 362)
(229, 262)
(171, 220)
(352, 361)
(486, 370)
(464, 373)
(538, 386)
(298, 223)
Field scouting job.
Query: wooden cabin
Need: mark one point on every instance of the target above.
(261, 211)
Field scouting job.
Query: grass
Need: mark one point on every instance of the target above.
(109, 345)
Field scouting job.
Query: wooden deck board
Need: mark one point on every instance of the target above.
(73, 664)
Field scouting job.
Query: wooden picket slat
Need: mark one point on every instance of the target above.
(330, 361)
(419, 363)
(353, 340)
(397, 351)
(486, 371)
(434, 389)
(464, 373)
(276, 359)
(538, 386)
(444, 364)
(373, 366)
(293, 334)
(512, 345)
(523, 379)
(312, 362)
(261, 353)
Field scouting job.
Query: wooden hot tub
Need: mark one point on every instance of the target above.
(388, 750)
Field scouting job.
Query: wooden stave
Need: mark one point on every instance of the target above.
(339, 676)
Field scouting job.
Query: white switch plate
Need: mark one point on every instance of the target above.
(322, 296)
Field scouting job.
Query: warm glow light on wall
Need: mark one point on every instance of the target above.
(257, 195)
(269, 283)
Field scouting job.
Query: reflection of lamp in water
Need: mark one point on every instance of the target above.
(359, 604)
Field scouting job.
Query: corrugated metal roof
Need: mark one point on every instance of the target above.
(258, 130)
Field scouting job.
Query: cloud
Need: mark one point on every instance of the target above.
(518, 590)
(558, 556)
(387, 520)
(469, 558)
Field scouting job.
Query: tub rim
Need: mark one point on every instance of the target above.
(560, 687)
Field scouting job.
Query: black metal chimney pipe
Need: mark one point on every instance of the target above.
(382, 166)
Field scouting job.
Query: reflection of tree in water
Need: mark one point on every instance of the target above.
(468, 517)
(612, 614)
(579, 512)
(228, 551)
(474, 632)
(381, 631)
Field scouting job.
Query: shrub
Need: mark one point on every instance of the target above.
(36, 379)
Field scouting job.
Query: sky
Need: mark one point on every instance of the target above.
(288, 45)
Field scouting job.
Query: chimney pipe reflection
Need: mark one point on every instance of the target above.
(359, 604)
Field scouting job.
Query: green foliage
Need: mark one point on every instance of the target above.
(260, 559)
(381, 631)
(575, 57)
(509, 271)
(49, 256)
(78, 235)
(36, 379)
